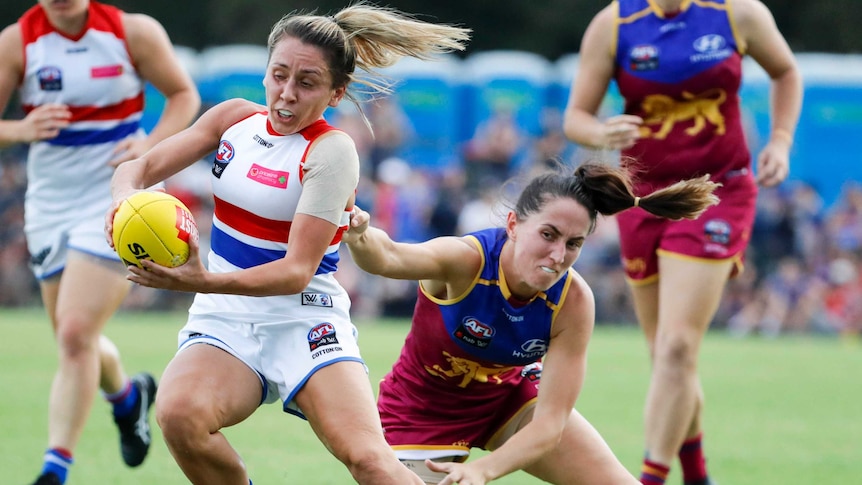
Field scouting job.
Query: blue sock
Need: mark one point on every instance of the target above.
(124, 400)
(57, 461)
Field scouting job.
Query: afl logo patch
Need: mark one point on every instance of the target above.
(717, 231)
(643, 57)
(475, 333)
(322, 334)
(223, 156)
(50, 78)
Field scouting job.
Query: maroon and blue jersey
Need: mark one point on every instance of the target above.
(473, 354)
(681, 72)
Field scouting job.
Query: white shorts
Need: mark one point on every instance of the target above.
(49, 246)
(283, 354)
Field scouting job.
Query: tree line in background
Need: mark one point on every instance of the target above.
(550, 28)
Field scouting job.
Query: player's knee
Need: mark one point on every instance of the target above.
(677, 352)
(74, 338)
(182, 421)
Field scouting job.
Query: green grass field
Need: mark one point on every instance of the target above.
(784, 411)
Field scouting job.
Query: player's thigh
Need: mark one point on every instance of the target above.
(339, 404)
(191, 388)
(581, 457)
(690, 291)
(90, 290)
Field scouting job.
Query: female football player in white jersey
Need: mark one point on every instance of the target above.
(274, 320)
(80, 67)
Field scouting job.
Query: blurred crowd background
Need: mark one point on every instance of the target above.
(453, 145)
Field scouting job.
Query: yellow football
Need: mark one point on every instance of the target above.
(154, 226)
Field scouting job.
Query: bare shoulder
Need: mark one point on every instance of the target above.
(12, 61)
(579, 291)
(604, 20)
(750, 14)
(599, 36)
(141, 26)
(10, 38)
(227, 113)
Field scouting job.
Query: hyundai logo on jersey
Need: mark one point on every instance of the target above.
(223, 156)
(709, 43)
(710, 47)
(474, 332)
(50, 78)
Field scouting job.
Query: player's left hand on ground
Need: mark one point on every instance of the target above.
(128, 149)
(457, 473)
(773, 164)
(190, 277)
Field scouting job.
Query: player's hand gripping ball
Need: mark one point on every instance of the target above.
(154, 226)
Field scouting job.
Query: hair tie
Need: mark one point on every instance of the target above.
(637, 201)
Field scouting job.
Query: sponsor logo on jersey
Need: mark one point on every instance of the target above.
(106, 71)
(513, 318)
(260, 141)
(710, 47)
(532, 348)
(223, 156)
(265, 176)
(322, 335)
(77, 50)
(473, 332)
(317, 299)
(671, 26)
(643, 57)
(50, 78)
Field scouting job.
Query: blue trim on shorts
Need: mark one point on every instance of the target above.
(50, 275)
(307, 377)
(114, 257)
(203, 337)
(74, 138)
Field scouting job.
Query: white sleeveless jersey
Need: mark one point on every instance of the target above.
(92, 73)
(257, 183)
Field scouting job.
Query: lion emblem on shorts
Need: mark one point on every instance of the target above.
(665, 111)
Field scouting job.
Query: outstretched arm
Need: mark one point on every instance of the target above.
(443, 259)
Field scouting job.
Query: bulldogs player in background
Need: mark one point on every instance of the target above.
(497, 351)
(80, 67)
(677, 64)
(269, 321)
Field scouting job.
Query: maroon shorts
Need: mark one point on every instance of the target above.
(455, 419)
(720, 233)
